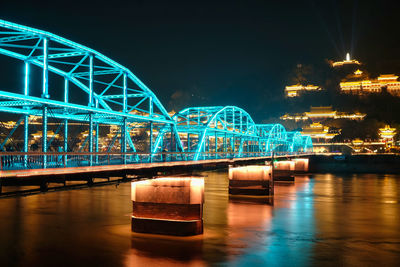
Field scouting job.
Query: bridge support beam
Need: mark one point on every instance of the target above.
(151, 142)
(225, 144)
(216, 145)
(26, 117)
(188, 142)
(26, 139)
(91, 66)
(171, 147)
(45, 94)
(45, 91)
(91, 138)
(156, 211)
(96, 137)
(44, 135)
(66, 96)
(96, 142)
(65, 142)
(123, 139)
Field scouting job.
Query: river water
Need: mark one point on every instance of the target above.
(323, 219)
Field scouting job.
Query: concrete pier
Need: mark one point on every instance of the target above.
(250, 180)
(301, 165)
(169, 205)
(283, 171)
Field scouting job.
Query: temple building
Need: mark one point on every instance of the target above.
(297, 89)
(387, 134)
(357, 145)
(321, 113)
(319, 132)
(390, 81)
(347, 61)
(295, 116)
(365, 86)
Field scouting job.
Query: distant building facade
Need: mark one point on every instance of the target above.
(321, 113)
(366, 86)
(319, 132)
(297, 89)
(387, 134)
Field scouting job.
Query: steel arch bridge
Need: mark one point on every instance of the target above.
(80, 86)
(274, 136)
(205, 131)
(306, 144)
(295, 141)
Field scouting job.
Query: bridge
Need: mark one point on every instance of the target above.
(89, 111)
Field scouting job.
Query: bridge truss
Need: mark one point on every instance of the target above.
(82, 92)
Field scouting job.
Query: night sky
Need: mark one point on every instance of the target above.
(193, 53)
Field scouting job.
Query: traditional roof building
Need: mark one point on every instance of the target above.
(296, 117)
(321, 113)
(297, 89)
(364, 86)
(317, 131)
(387, 133)
(390, 81)
(347, 61)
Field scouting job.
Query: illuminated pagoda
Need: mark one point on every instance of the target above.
(319, 132)
(347, 61)
(358, 72)
(321, 113)
(387, 133)
(357, 145)
(297, 89)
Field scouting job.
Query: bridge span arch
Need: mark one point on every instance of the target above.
(294, 141)
(307, 144)
(96, 90)
(226, 131)
(80, 89)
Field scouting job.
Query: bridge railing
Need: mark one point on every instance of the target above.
(38, 160)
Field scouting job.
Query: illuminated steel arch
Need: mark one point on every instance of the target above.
(114, 95)
(294, 141)
(307, 144)
(274, 137)
(79, 84)
(205, 131)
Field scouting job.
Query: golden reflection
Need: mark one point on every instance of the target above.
(343, 219)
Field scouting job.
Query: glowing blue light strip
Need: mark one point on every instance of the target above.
(17, 38)
(26, 117)
(124, 94)
(45, 92)
(99, 56)
(207, 118)
(91, 81)
(80, 107)
(26, 87)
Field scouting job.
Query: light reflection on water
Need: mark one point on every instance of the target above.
(324, 219)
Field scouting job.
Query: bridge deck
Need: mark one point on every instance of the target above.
(128, 168)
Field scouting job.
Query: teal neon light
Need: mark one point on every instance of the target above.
(115, 96)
